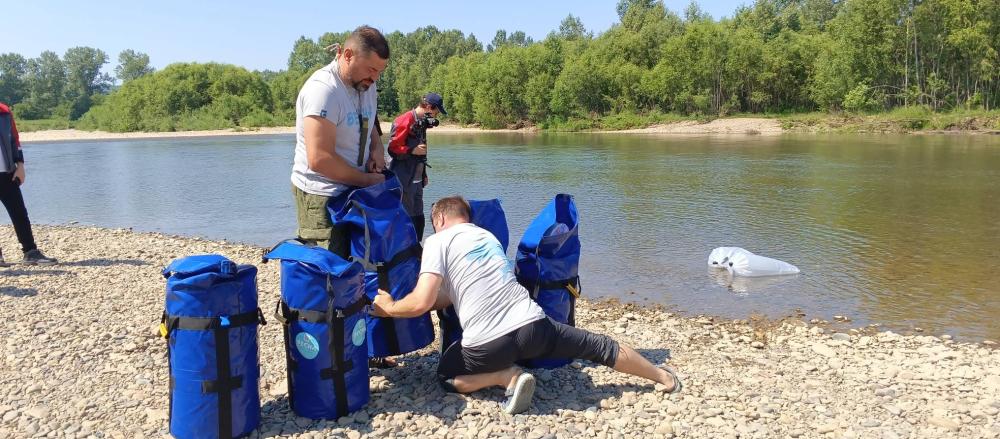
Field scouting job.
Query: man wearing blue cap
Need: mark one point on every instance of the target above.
(408, 149)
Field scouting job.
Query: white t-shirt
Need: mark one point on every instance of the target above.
(325, 95)
(480, 281)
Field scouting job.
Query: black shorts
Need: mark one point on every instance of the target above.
(543, 338)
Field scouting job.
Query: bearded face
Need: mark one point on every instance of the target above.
(363, 69)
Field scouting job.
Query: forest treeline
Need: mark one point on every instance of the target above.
(775, 56)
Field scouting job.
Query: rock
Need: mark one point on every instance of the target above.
(893, 410)
(871, 423)
(278, 389)
(885, 391)
(155, 414)
(757, 345)
(944, 423)
(839, 336)
(38, 412)
(826, 428)
(823, 350)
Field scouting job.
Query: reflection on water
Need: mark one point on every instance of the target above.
(745, 285)
(901, 230)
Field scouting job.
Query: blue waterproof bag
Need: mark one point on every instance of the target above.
(210, 323)
(547, 261)
(321, 311)
(384, 240)
(489, 215)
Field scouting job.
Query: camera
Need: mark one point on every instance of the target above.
(426, 122)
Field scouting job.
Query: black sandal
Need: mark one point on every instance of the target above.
(677, 381)
(381, 363)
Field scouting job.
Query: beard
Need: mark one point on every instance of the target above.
(361, 86)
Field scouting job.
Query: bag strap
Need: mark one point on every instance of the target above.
(225, 382)
(288, 314)
(569, 284)
(213, 323)
(339, 365)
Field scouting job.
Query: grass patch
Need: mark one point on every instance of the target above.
(616, 121)
(899, 120)
(27, 126)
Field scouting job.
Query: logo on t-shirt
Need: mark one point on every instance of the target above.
(322, 113)
(490, 250)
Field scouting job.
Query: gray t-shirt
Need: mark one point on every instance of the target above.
(480, 281)
(325, 95)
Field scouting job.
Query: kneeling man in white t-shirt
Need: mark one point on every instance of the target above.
(465, 266)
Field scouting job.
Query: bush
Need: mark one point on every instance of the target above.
(861, 99)
(29, 125)
(185, 97)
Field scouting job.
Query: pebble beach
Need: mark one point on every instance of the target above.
(81, 358)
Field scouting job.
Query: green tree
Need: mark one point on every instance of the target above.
(132, 65)
(84, 78)
(13, 87)
(46, 80)
(572, 28)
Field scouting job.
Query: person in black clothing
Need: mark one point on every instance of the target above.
(11, 179)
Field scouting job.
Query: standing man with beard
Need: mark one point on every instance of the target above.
(336, 146)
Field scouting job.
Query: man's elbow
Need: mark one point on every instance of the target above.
(314, 162)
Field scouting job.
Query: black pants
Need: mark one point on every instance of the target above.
(418, 223)
(545, 338)
(10, 194)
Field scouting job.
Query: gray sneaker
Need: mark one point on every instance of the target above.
(519, 398)
(35, 257)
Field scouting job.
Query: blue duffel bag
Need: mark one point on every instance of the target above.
(489, 215)
(548, 258)
(210, 323)
(384, 240)
(321, 311)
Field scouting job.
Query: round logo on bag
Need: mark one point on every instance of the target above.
(358, 335)
(307, 345)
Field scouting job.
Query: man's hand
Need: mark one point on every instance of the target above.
(18, 174)
(376, 163)
(421, 149)
(376, 160)
(382, 304)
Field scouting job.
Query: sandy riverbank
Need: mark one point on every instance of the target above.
(80, 359)
(741, 126)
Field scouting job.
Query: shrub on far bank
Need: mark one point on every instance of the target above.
(28, 125)
(185, 97)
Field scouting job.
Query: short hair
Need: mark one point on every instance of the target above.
(452, 207)
(367, 39)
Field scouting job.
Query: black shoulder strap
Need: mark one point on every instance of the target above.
(391, 339)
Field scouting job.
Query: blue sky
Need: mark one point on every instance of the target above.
(259, 34)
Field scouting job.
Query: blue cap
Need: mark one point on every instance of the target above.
(435, 100)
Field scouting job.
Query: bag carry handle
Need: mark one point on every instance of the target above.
(201, 264)
(321, 258)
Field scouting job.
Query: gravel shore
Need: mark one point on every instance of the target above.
(80, 358)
